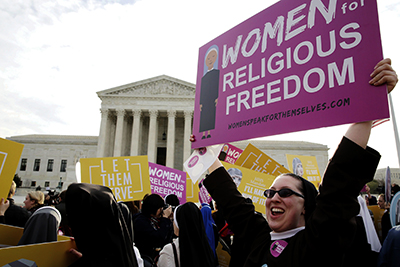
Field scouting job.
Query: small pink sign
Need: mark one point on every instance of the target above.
(193, 161)
(277, 247)
(165, 181)
(204, 196)
(230, 153)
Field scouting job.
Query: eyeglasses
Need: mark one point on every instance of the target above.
(285, 192)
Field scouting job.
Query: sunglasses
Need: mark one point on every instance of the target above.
(285, 192)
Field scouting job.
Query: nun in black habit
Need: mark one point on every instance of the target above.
(191, 248)
(99, 228)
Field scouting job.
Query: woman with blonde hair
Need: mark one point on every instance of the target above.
(34, 200)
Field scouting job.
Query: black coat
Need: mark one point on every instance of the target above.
(16, 215)
(99, 228)
(328, 232)
(150, 239)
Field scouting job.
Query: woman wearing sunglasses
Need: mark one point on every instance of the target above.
(303, 229)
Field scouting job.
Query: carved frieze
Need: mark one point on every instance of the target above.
(152, 88)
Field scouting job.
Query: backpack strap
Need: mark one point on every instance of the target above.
(175, 255)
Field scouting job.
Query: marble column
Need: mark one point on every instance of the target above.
(152, 143)
(112, 118)
(103, 137)
(186, 134)
(135, 132)
(119, 133)
(171, 139)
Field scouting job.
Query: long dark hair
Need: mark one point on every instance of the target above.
(193, 244)
(151, 204)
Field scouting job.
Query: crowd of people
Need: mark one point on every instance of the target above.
(108, 233)
(303, 225)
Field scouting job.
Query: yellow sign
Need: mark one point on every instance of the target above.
(223, 256)
(127, 177)
(56, 253)
(378, 213)
(306, 167)
(192, 190)
(10, 153)
(256, 160)
(251, 184)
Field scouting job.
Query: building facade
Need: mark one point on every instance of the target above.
(394, 175)
(47, 160)
(151, 117)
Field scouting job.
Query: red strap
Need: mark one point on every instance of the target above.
(224, 230)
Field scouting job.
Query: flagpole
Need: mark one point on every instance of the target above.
(396, 134)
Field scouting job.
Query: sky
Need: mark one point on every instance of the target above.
(55, 56)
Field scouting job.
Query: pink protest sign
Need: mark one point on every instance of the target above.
(294, 66)
(230, 153)
(204, 196)
(165, 181)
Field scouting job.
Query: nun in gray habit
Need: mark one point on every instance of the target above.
(41, 227)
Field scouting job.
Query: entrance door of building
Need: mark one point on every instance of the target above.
(161, 155)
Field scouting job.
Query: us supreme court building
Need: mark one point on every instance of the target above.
(150, 117)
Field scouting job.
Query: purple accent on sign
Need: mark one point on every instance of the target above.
(294, 66)
(364, 189)
(193, 161)
(202, 151)
(204, 196)
(277, 247)
(165, 181)
(231, 153)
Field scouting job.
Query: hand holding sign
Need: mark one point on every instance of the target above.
(4, 204)
(201, 160)
(384, 73)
